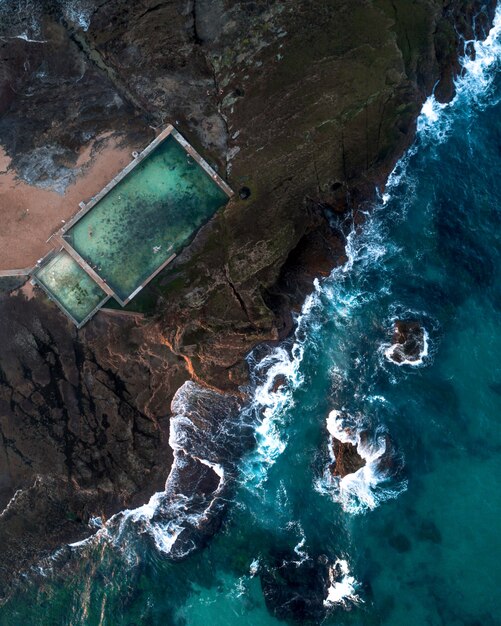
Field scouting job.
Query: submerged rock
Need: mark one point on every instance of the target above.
(295, 591)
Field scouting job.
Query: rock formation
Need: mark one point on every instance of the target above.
(348, 460)
(306, 105)
(408, 341)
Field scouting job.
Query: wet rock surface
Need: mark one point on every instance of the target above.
(409, 338)
(308, 105)
(348, 460)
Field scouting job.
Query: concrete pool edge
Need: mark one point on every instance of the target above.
(59, 237)
(169, 130)
(51, 256)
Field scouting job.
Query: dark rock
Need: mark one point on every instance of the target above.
(82, 432)
(409, 335)
(348, 460)
(278, 382)
(295, 592)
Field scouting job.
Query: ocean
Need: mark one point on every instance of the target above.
(414, 540)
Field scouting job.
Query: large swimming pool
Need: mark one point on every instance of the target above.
(135, 228)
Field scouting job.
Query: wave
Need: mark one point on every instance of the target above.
(343, 586)
(474, 86)
(207, 437)
(274, 378)
(377, 481)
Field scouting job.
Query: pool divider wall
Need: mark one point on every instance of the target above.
(85, 266)
(59, 236)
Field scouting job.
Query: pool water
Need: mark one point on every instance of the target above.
(146, 218)
(71, 287)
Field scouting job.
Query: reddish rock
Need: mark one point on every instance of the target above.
(348, 460)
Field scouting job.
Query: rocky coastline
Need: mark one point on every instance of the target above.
(305, 106)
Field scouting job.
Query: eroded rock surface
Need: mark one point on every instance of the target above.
(348, 460)
(306, 104)
(408, 341)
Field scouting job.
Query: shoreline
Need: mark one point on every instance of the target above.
(224, 366)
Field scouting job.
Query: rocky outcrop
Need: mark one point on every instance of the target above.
(83, 424)
(296, 590)
(307, 105)
(347, 459)
(408, 341)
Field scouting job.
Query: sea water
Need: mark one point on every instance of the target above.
(416, 545)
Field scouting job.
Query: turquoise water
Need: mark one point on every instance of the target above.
(75, 291)
(420, 544)
(151, 214)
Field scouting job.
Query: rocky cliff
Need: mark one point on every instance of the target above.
(304, 106)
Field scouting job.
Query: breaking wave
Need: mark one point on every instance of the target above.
(379, 480)
(207, 437)
(343, 586)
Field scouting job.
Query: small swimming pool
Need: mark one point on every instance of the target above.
(147, 217)
(76, 293)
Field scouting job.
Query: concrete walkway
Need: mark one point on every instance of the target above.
(24, 272)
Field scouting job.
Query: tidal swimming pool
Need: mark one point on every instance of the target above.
(71, 287)
(147, 217)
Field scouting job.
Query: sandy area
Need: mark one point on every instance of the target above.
(29, 215)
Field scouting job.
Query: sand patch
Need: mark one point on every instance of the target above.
(30, 215)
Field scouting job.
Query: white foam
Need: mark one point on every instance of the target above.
(343, 586)
(389, 352)
(76, 12)
(254, 567)
(26, 38)
(366, 488)
(272, 404)
(337, 429)
(473, 86)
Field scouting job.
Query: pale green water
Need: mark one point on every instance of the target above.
(71, 286)
(149, 215)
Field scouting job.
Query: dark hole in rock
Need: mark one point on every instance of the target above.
(337, 185)
(244, 193)
(239, 92)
